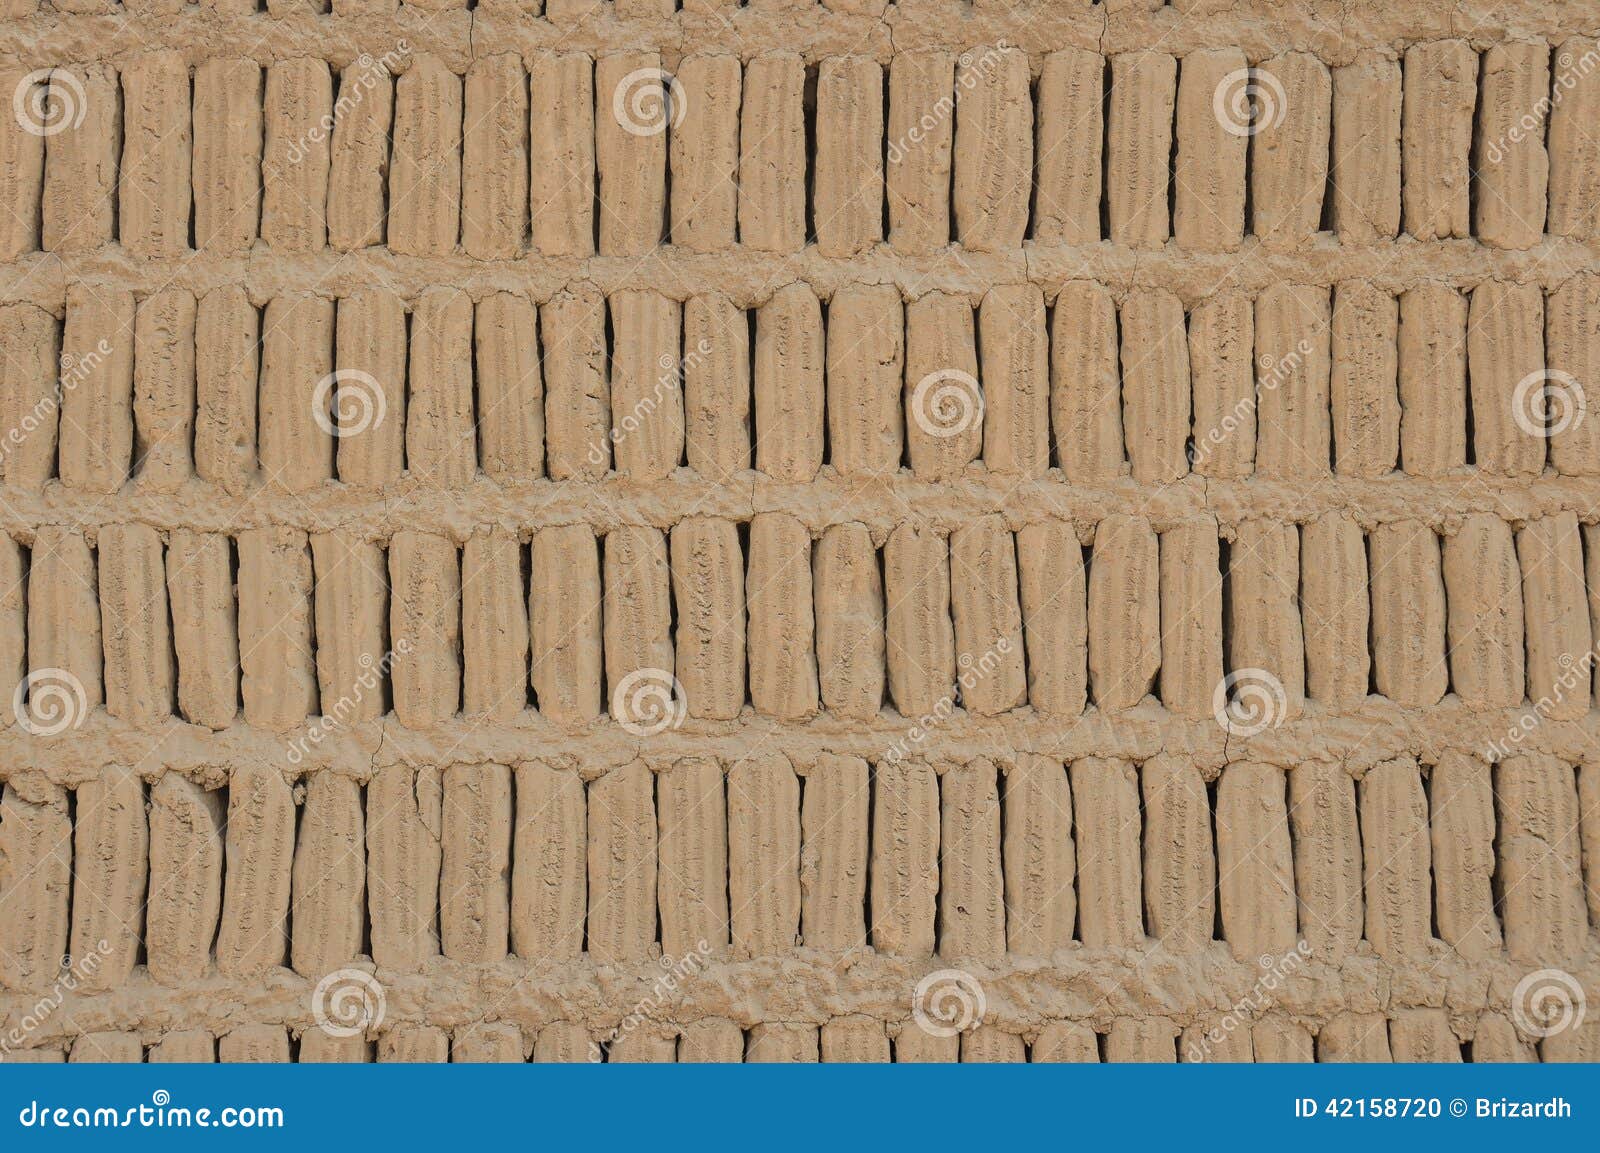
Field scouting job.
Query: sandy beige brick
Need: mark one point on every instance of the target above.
(1408, 613)
(80, 165)
(704, 151)
(1292, 370)
(646, 385)
(367, 403)
(903, 880)
(564, 623)
(1146, 1040)
(30, 374)
(789, 361)
(622, 866)
(1334, 609)
(153, 173)
(414, 1044)
(1423, 1035)
(1325, 826)
(1574, 192)
(494, 159)
(226, 167)
(994, 147)
(1085, 389)
(328, 880)
(764, 855)
(404, 827)
(358, 155)
(163, 389)
(711, 1039)
(637, 616)
(1362, 380)
(854, 1040)
(351, 612)
(1505, 343)
(110, 864)
(275, 623)
(1366, 149)
(1065, 1041)
(1209, 168)
(716, 386)
(185, 1046)
(1539, 884)
(847, 186)
(849, 618)
(1289, 151)
(865, 365)
(1441, 83)
(1155, 385)
(1573, 356)
(139, 672)
(1139, 146)
(186, 856)
(987, 617)
(918, 156)
(487, 1042)
(1255, 862)
(1397, 872)
(549, 877)
(35, 883)
(633, 116)
(1054, 616)
(989, 1044)
(1191, 617)
(943, 398)
(510, 388)
(1267, 636)
(22, 164)
(972, 913)
(1105, 795)
(772, 164)
(475, 874)
(1556, 615)
(692, 882)
(1434, 339)
(63, 629)
(833, 854)
(1124, 613)
(921, 639)
(782, 1043)
(709, 589)
(577, 400)
(1513, 168)
(561, 153)
(425, 614)
(295, 155)
(1222, 370)
(1461, 828)
(254, 932)
(97, 346)
(778, 593)
(425, 167)
(1354, 1037)
(1180, 870)
(227, 359)
(297, 347)
(441, 445)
